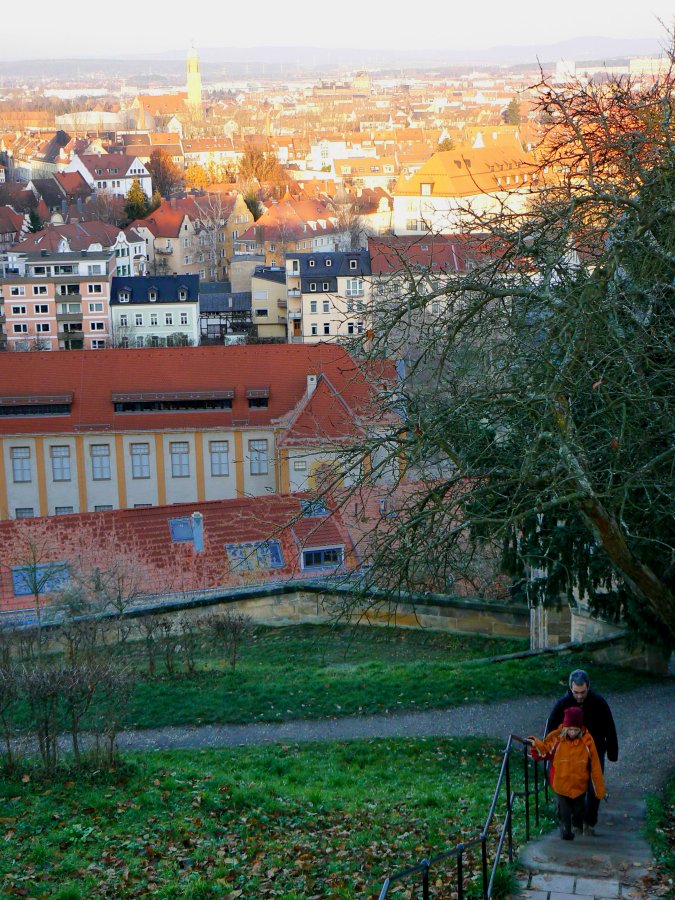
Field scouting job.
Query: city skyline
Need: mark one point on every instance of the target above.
(139, 30)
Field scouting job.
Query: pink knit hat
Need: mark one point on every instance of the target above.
(574, 717)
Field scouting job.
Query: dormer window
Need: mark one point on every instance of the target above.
(353, 264)
(152, 295)
(426, 190)
(329, 263)
(182, 294)
(311, 263)
(123, 296)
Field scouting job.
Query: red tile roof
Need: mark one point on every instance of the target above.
(323, 417)
(92, 377)
(138, 544)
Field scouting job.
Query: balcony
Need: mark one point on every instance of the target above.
(294, 292)
(74, 297)
(282, 302)
(69, 317)
(294, 315)
(164, 251)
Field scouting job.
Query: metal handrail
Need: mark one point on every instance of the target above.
(424, 866)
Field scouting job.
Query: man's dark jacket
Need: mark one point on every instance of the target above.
(597, 719)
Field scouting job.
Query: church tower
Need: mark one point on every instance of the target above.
(194, 80)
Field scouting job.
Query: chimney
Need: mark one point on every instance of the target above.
(197, 531)
(311, 384)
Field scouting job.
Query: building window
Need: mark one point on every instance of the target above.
(154, 319)
(152, 296)
(97, 326)
(140, 341)
(39, 290)
(312, 306)
(18, 310)
(326, 286)
(314, 329)
(315, 559)
(182, 295)
(138, 319)
(63, 510)
(262, 313)
(326, 327)
(168, 318)
(218, 451)
(24, 512)
(43, 327)
(124, 296)
(312, 285)
(41, 309)
(350, 328)
(326, 305)
(98, 345)
(258, 454)
(140, 460)
(21, 329)
(95, 288)
(20, 457)
(328, 262)
(18, 291)
(354, 287)
(100, 462)
(183, 318)
(353, 263)
(180, 459)
(95, 307)
(300, 465)
(60, 463)
(103, 507)
(124, 321)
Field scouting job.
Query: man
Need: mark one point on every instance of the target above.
(599, 722)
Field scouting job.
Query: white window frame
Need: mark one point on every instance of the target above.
(21, 469)
(140, 460)
(100, 462)
(220, 460)
(179, 451)
(258, 457)
(60, 457)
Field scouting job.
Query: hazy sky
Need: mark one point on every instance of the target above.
(84, 29)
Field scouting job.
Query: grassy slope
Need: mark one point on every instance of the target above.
(293, 821)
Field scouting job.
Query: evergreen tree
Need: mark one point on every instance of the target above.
(136, 205)
(35, 222)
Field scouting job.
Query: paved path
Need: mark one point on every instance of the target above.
(644, 719)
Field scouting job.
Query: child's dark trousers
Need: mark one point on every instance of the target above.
(570, 812)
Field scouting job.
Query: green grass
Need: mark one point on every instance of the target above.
(661, 835)
(310, 672)
(292, 821)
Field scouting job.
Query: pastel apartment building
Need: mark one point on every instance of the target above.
(328, 295)
(155, 311)
(55, 301)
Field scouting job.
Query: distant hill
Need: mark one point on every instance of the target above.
(237, 62)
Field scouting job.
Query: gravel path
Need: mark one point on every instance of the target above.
(644, 717)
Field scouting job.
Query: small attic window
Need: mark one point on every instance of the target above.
(181, 530)
(311, 263)
(353, 263)
(123, 296)
(329, 263)
(152, 295)
(182, 294)
(311, 509)
(426, 189)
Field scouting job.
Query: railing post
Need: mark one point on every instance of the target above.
(460, 873)
(509, 830)
(484, 863)
(536, 792)
(526, 782)
(425, 883)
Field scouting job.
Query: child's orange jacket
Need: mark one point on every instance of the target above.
(574, 763)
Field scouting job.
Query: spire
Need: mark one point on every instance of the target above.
(194, 80)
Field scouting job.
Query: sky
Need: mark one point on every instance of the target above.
(132, 27)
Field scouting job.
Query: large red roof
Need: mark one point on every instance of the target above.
(92, 376)
(137, 545)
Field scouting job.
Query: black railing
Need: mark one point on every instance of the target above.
(422, 870)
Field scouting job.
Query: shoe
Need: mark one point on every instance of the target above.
(578, 830)
(589, 829)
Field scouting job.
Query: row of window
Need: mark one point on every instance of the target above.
(42, 309)
(179, 452)
(352, 328)
(40, 290)
(154, 319)
(153, 294)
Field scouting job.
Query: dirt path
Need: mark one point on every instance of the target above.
(644, 717)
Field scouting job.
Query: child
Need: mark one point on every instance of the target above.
(574, 762)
